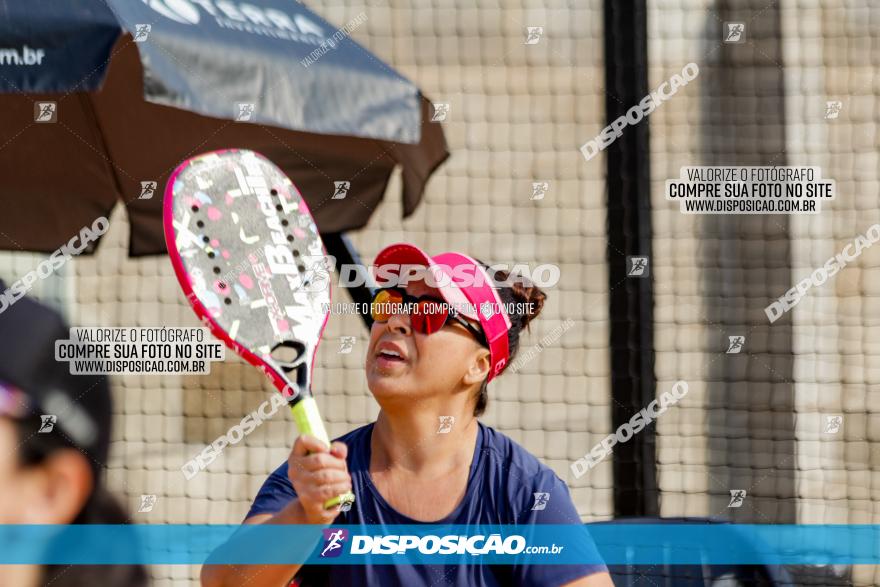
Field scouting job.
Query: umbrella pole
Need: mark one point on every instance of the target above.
(343, 250)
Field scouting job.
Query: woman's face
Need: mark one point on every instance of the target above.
(431, 367)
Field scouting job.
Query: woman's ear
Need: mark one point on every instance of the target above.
(58, 488)
(479, 367)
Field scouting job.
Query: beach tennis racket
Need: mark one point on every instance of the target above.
(249, 258)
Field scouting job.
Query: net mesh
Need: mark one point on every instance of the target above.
(517, 114)
(763, 421)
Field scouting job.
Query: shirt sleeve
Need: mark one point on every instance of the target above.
(545, 499)
(277, 491)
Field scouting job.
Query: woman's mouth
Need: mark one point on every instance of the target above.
(387, 358)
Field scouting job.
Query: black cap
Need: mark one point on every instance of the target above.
(81, 404)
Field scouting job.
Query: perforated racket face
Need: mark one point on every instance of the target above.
(249, 258)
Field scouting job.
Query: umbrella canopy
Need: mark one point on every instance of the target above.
(97, 101)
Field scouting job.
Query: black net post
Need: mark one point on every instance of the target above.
(631, 296)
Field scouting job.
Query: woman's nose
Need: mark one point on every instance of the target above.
(400, 323)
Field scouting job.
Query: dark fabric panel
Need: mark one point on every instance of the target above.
(58, 177)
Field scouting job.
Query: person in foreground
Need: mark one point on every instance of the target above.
(51, 469)
(427, 458)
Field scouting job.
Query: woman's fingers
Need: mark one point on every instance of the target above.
(338, 449)
(322, 493)
(324, 476)
(306, 444)
(318, 461)
(318, 473)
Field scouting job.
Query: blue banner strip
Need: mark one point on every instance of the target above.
(615, 543)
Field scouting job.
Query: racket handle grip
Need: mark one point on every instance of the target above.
(308, 421)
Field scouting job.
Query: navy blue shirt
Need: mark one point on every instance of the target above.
(501, 489)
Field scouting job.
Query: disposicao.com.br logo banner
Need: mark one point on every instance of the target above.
(674, 543)
(415, 546)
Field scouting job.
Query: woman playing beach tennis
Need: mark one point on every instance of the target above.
(426, 459)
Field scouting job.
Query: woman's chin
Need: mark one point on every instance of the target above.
(383, 369)
(387, 385)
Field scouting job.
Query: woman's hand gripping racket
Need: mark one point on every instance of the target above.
(249, 258)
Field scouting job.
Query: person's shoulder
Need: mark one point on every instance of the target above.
(508, 455)
(533, 492)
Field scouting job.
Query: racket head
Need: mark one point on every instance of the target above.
(249, 258)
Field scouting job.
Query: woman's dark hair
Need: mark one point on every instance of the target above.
(521, 293)
(100, 508)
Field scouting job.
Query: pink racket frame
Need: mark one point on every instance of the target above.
(287, 388)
